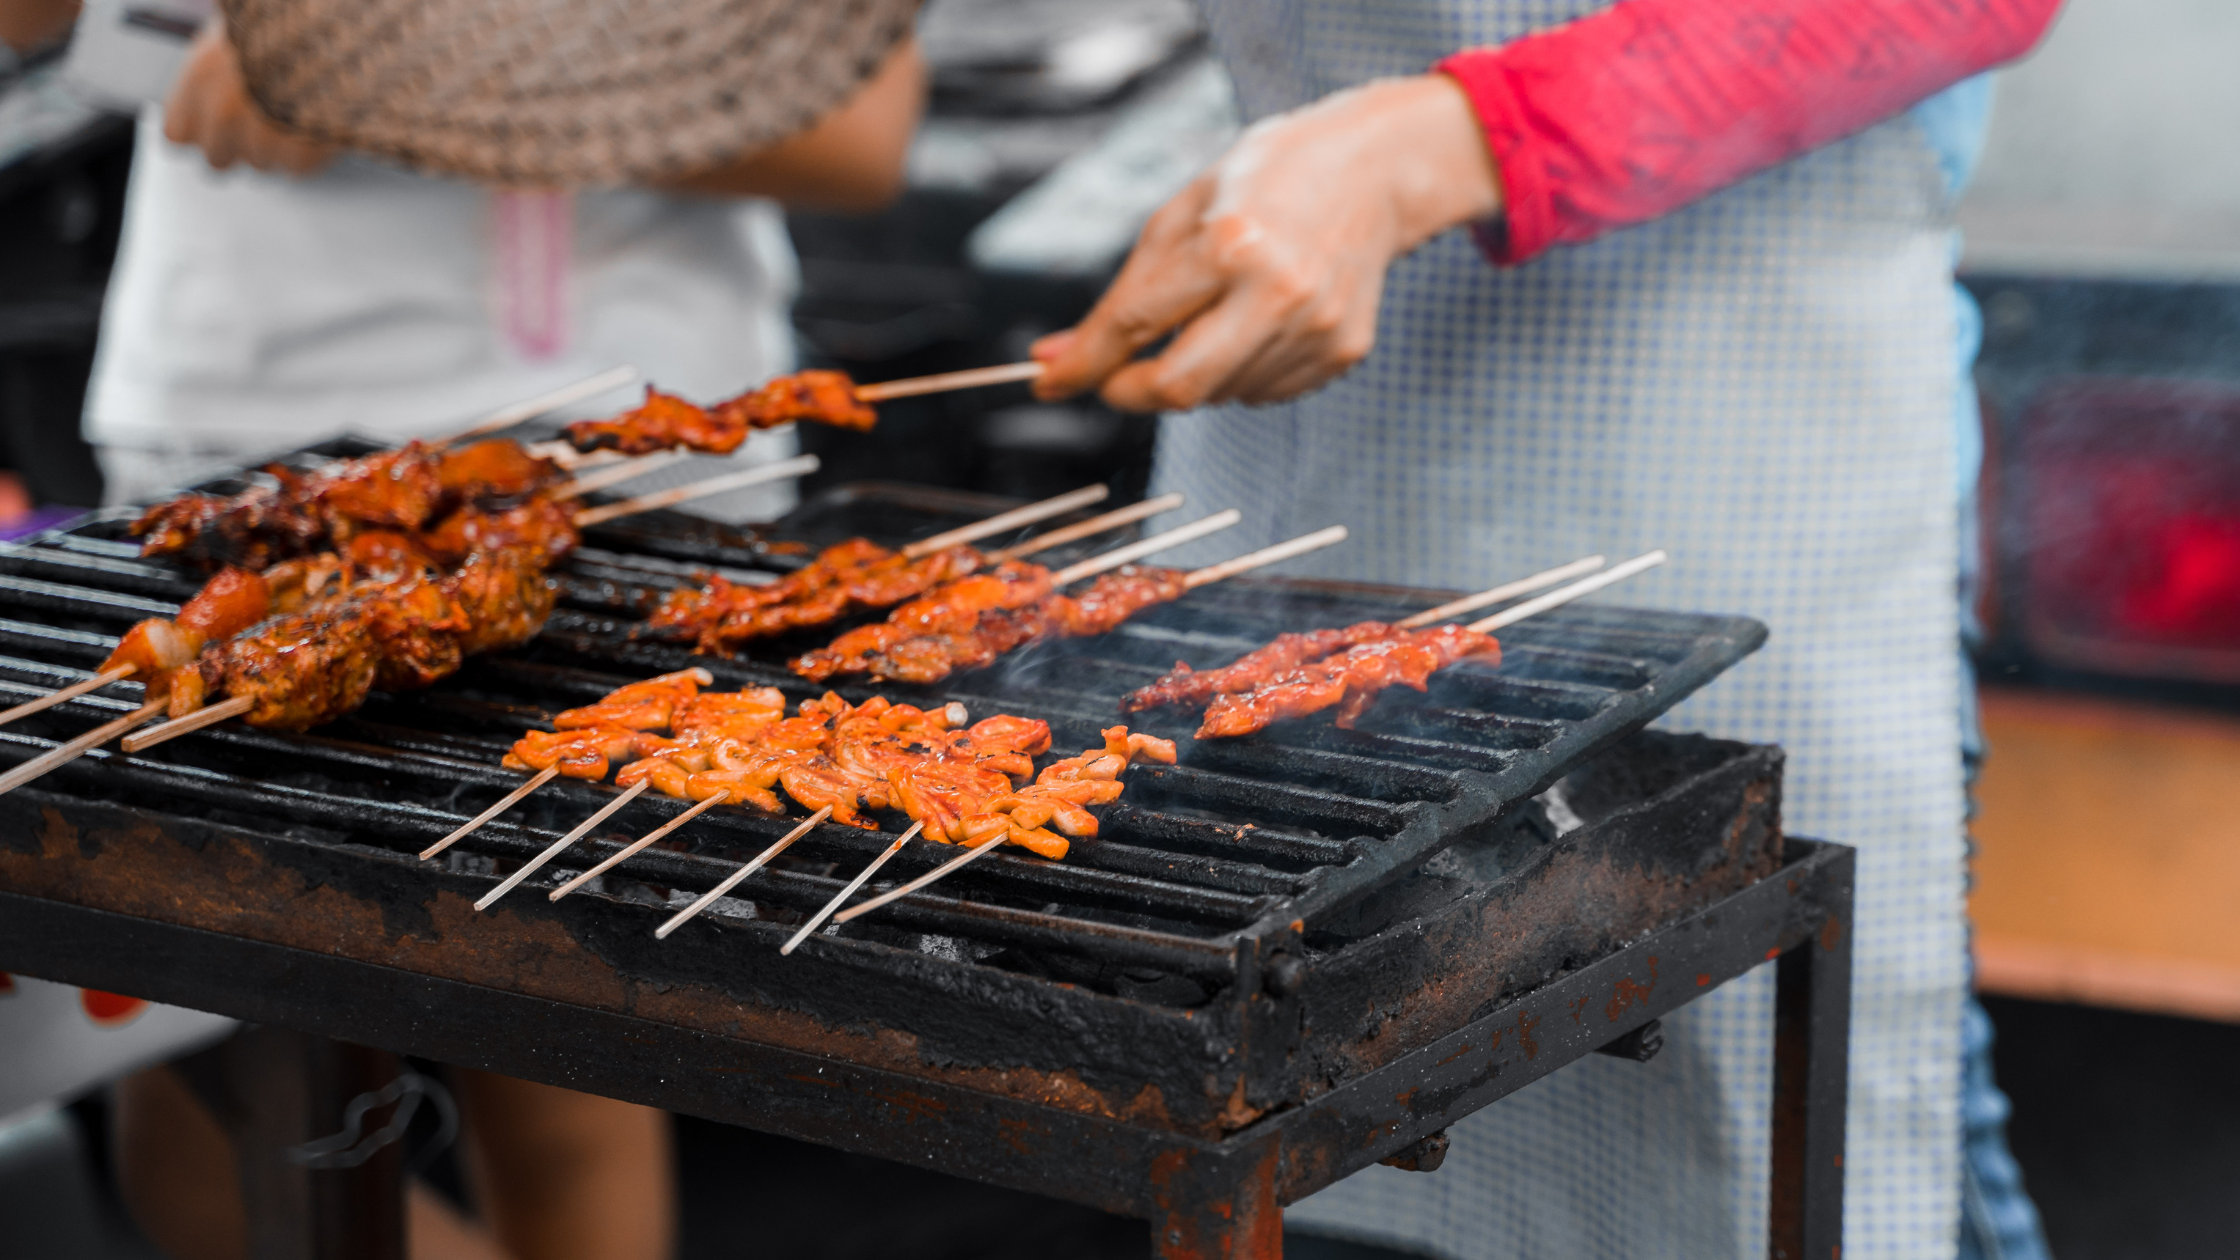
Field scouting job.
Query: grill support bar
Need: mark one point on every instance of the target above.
(1204, 1197)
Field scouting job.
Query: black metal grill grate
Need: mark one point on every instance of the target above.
(1243, 839)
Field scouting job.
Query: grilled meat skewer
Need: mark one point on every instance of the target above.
(666, 421)
(405, 489)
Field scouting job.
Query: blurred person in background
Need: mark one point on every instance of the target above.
(1705, 303)
(273, 289)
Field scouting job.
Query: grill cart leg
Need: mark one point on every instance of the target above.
(1205, 1208)
(274, 1091)
(1811, 1045)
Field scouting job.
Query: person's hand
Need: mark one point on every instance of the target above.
(210, 109)
(1269, 267)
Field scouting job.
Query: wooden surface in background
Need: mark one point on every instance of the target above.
(2108, 863)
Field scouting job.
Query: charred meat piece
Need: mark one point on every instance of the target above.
(400, 490)
(821, 397)
(667, 422)
(1348, 681)
(1183, 687)
(641, 706)
(946, 646)
(952, 610)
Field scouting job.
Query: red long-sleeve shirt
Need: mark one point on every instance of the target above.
(1636, 110)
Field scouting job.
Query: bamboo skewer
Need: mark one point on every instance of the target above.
(1135, 551)
(65, 753)
(616, 474)
(530, 408)
(71, 692)
(817, 920)
(943, 382)
(938, 872)
(1555, 598)
(513, 798)
(1508, 590)
(195, 721)
(732, 880)
(1275, 554)
(1094, 525)
(553, 850)
(1013, 519)
(1211, 573)
(639, 846)
(800, 466)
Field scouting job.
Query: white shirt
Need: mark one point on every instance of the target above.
(253, 313)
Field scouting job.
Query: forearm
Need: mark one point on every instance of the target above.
(30, 24)
(1648, 105)
(851, 159)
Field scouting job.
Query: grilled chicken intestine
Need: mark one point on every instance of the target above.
(958, 780)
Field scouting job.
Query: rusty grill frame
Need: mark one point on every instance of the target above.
(1181, 976)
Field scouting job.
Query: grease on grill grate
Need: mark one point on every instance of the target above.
(1241, 839)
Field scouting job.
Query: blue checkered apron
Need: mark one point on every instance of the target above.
(1763, 384)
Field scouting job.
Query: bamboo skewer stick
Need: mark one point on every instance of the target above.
(530, 408)
(553, 850)
(616, 474)
(943, 382)
(1508, 590)
(1134, 551)
(732, 881)
(817, 920)
(1013, 519)
(65, 753)
(639, 846)
(1556, 598)
(513, 798)
(71, 692)
(938, 872)
(800, 466)
(1275, 554)
(1094, 525)
(195, 721)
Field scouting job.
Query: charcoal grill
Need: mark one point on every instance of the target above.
(1285, 958)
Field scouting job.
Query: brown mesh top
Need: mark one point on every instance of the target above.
(568, 93)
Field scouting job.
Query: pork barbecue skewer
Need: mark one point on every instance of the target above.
(308, 666)
(666, 421)
(931, 639)
(1349, 681)
(720, 615)
(1184, 687)
(839, 758)
(705, 610)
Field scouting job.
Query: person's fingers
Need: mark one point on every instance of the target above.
(1164, 282)
(1311, 353)
(1209, 350)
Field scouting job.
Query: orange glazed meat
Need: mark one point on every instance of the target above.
(1183, 687)
(667, 422)
(1347, 681)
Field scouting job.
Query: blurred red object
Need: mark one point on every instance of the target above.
(110, 1009)
(2129, 529)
